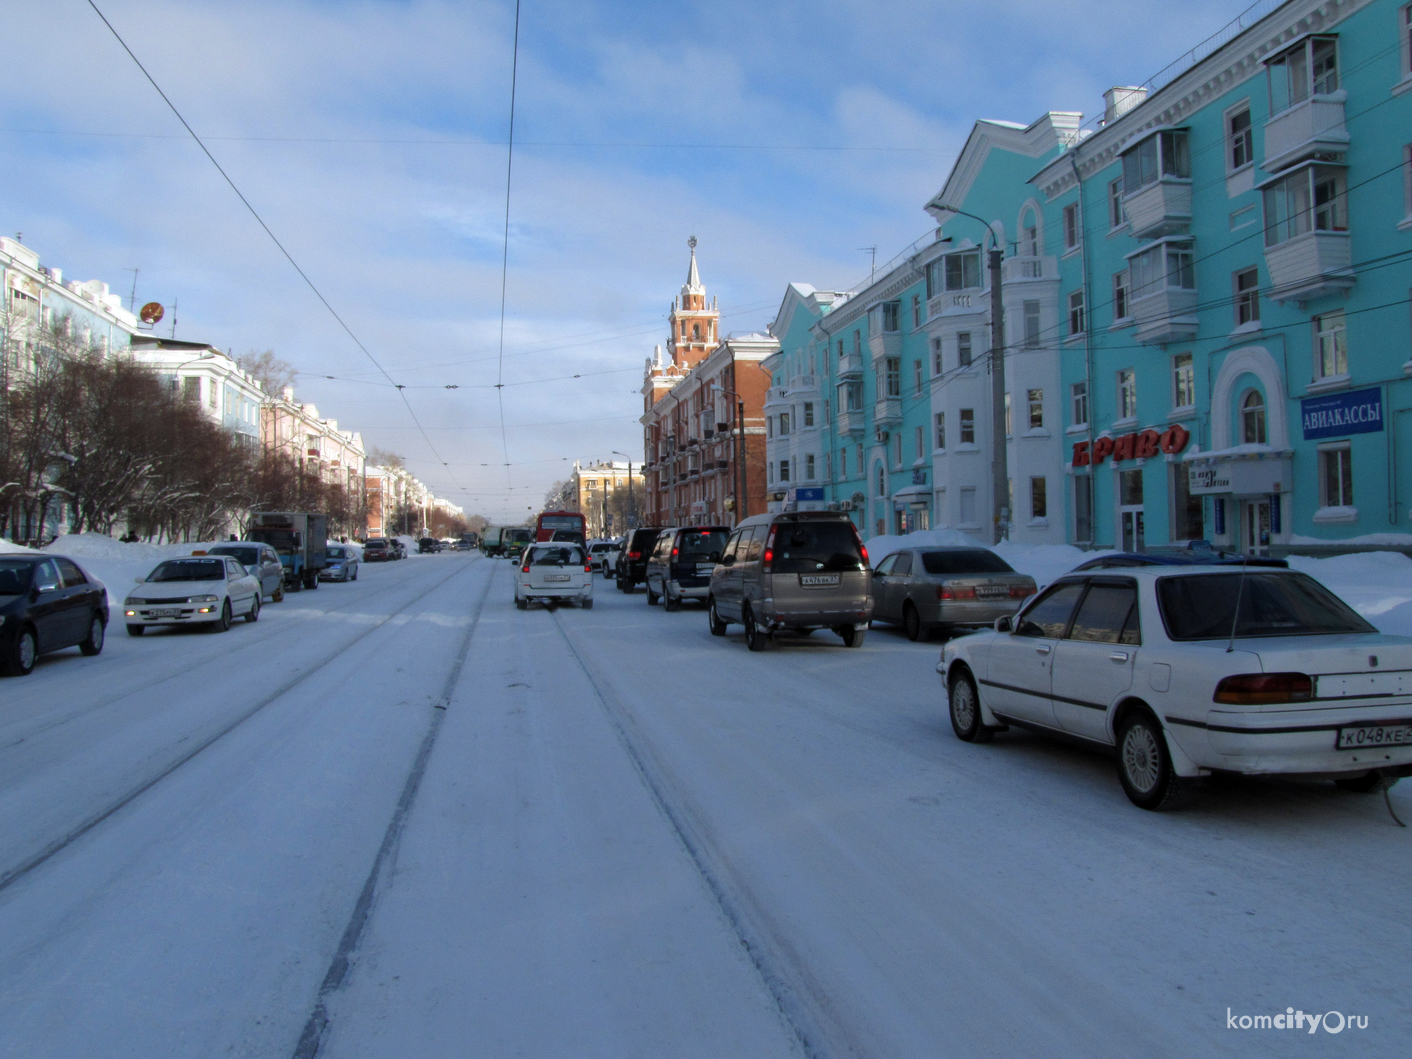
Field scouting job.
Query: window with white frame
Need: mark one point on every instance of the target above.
(963, 349)
(809, 467)
(1120, 295)
(858, 343)
(1009, 420)
(968, 506)
(1336, 476)
(893, 369)
(850, 396)
(1183, 381)
(1029, 235)
(897, 449)
(963, 270)
(882, 481)
(1032, 325)
(1330, 344)
(936, 357)
(940, 418)
(784, 470)
(808, 413)
(968, 426)
(1308, 69)
(1071, 226)
(770, 472)
(1247, 296)
(1036, 402)
(1163, 154)
(1167, 265)
(1039, 498)
(1076, 313)
(916, 311)
(784, 424)
(917, 377)
(843, 464)
(1252, 418)
(1116, 217)
(921, 441)
(1078, 398)
(1240, 140)
(1313, 197)
(1127, 394)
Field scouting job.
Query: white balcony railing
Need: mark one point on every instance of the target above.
(1309, 266)
(1161, 208)
(1312, 126)
(1166, 316)
(851, 422)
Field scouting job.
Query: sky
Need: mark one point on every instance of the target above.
(371, 138)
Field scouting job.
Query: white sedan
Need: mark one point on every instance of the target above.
(201, 589)
(1153, 662)
(554, 573)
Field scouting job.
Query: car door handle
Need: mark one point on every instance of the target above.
(1119, 656)
(1043, 649)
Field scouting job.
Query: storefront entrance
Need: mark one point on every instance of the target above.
(1134, 535)
(1255, 525)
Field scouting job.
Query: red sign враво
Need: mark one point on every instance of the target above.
(1137, 446)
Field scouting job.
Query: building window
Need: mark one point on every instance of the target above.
(850, 396)
(770, 472)
(1166, 265)
(1127, 394)
(784, 424)
(1083, 508)
(1076, 313)
(968, 426)
(1116, 217)
(893, 366)
(1039, 502)
(897, 448)
(843, 464)
(917, 377)
(1407, 41)
(1183, 381)
(809, 467)
(1240, 136)
(1163, 154)
(1313, 197)
(1009, 420)
(1331, 344)
(1247, 296)
(857, 343)
(936, 357)
(921, 443)
(963, 271)
(940, 430)
(1336, 476)
(1078, 395)
(882, 481)
(916, 311)
(808, 413)
(1309, 68)
(1252, 419)
(696, 332)
(968, 506)
(1032, 325)
(890, 313)
(1188, 515)
(1120, 295)
(963, 349)
(784, 470)
(1407, 176)
(1071, 226)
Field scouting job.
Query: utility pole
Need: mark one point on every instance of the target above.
(744, 504)
(1000, 463)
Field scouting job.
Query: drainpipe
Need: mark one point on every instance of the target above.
(1088, 337)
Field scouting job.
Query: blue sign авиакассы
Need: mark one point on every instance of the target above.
(1359, 412)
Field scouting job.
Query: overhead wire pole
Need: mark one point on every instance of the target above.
(505, 253)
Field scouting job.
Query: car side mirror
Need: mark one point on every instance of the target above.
(48, 586)
(1005, 624)
(138, 580)
(729, 560)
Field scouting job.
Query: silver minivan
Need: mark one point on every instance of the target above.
(795, 570)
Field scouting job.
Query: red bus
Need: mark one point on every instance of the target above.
(560, 526)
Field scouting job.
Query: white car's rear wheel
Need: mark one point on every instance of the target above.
(1145, 767)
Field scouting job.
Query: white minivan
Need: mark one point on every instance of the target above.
(554, 572)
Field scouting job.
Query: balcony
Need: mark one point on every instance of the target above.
(958, 303)
(803, 384)
(1166, 316)
(776, 395)
(851, 422)
(1026, 270)
(1313, 126)
(887, 410)
(1161, 208)
(1309, 266)
(850, 365)
(887, 344)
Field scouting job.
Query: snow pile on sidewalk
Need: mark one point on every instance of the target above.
(116, 563)
(1378, 585)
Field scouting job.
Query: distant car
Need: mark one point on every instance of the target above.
(198, 590)
(1176, 557)
(399, 550)
(554, 573)
(341, 564)
(47, 603)
(682, 562)
(598, 551)
(514, 540)
(378, 550)
(261, 560)
(428, 546)
(609, 564)
(1189, 670)
(949, 588)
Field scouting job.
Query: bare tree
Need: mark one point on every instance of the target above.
(268, 370)
(562, 496)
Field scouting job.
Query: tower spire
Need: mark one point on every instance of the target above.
(693, 278)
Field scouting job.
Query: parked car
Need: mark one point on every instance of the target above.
(925, 589)
(1177, 557)
(47, 603)
(378, 550)
(609, 565)
(797, 570)
(342, 563)
(263, 563)
(428, 546)
(682, 562)
(397, 547)
(1188, 670)
(597, 553)
(197, 590)
(632, 560)
(554, 573)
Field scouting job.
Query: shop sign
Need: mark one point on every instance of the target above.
(806, 493)
(1239, 477)
(1340, 414)
(919, 476)
(1142, 445)
(1201, 480)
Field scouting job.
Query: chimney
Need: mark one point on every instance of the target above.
(1118, 100)
(289, 394)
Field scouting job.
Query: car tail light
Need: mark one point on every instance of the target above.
(588, 568)
(524, 569)
(958, 592)
(769, 551)
(1021, 591)
(1263, 689)
(674, 555)
(634, 555)
(864, 549)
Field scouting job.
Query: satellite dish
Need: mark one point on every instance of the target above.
(151, 312)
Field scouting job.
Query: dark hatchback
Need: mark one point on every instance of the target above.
(47, 603)
(632, 560)
(682, 562)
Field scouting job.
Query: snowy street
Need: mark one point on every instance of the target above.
(399, 817)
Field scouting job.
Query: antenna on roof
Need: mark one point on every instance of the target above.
(873, 262)
(1240, 589)
(132, 298)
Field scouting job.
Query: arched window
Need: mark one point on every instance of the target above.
(1252, 415)
(1030, 233)
(696, 332)
(882, 481)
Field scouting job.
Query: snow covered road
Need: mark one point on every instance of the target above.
(630, 838)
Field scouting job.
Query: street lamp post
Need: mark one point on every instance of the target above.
(741, 504)
(632, 504)
(999, 462)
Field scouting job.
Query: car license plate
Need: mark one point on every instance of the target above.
(556, 577)
(705, 568)
(991, 591)
(166, 612)
(818, 580)
(1371, 735)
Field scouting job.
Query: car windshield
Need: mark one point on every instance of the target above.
(247, 556)
(597, 549)
(703, 546)
(517, 535)
(336, 553)
(808, 547)
(557, 557)
(1202, 606)
(965, 561)
(189, 570)
(14, 576)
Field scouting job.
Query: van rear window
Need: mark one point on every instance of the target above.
(965, 561)
(703, 546)
(810, 547)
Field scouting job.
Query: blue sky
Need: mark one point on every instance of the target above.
(370, 137)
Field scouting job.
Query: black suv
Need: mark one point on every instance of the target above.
(681, 564)
(632, 560)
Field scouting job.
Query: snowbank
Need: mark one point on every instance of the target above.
(410, 543)
(10, 546)
(117, 564)
(1378, 585)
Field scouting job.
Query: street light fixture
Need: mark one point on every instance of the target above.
(999, 461)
